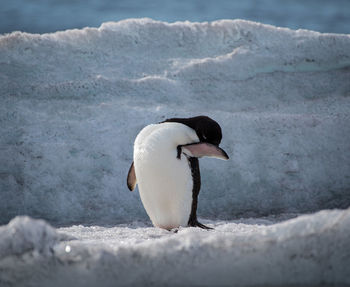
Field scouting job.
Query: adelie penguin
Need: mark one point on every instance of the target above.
(166, 168)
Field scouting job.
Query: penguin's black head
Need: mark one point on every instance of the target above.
(206, 129)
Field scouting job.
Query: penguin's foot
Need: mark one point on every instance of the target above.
(196, 223)
(174, 230)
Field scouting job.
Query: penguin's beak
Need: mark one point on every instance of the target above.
(203, 149)
(225, 155)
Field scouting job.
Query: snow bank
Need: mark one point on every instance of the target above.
(311, 250)
(24, 234)
(72, 103)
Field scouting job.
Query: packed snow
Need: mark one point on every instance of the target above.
(24, 234)
(310, 250)
(72, 103)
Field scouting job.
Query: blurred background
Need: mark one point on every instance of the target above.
(41, 16)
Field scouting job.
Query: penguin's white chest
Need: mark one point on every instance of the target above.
(165, 182)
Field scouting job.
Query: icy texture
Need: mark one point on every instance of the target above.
(311, 250)
(72, 103)
(24, 234)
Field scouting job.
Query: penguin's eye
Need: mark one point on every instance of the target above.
(204, 137)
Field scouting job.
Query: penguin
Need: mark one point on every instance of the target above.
(166, 168)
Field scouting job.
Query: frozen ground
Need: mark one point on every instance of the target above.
(72, 103)
(310, 250)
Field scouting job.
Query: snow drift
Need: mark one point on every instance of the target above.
(311, 250)
(72, 103)
(24, 234)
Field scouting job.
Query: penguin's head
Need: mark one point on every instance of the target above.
(207, 129)
(209, 134)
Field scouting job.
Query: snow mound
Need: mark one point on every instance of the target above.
(310, 250)
(73, 102)
(24, 234)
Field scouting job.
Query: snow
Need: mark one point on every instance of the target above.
(72, 103)
(310, 250)
(53, 15)
(24, 234)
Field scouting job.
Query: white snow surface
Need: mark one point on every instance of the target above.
(72, 103)
(24, 234)
(310, 250)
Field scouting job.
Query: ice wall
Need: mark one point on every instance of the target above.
(72, 103)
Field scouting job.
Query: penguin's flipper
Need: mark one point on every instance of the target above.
(204, 149)
(131, 180)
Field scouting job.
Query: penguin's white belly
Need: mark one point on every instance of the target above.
(165, 182)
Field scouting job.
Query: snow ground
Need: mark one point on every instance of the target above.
(309, 250)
